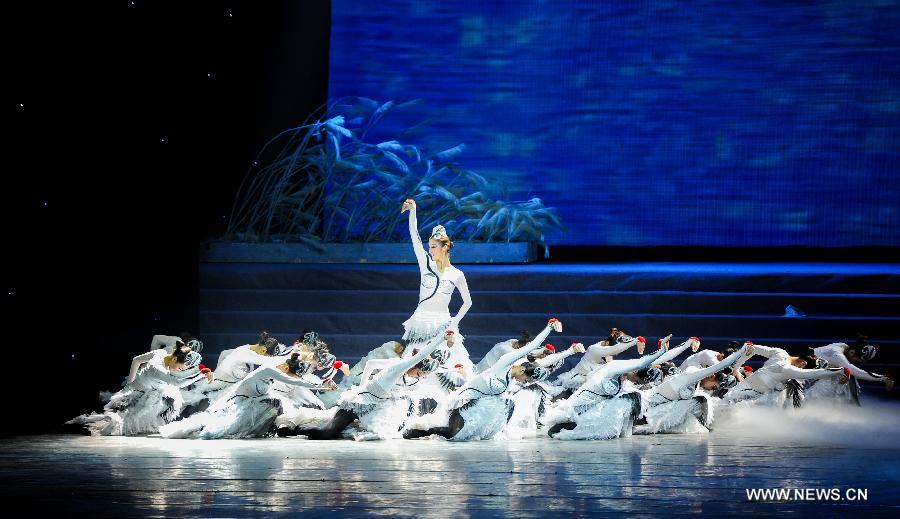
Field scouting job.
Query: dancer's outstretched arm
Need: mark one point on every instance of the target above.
(612, 370)
(598, 350)
(758, 349)
(788, 372)
(692, 343)
(620, 367)
(766, 351)
(388, 377)
(560, 356)
(862, 374)
(506, 362)
(136, 365)
(671, 387)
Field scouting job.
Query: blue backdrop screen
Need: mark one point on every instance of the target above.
(742, 123)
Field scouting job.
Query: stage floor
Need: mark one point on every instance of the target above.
(837, 448)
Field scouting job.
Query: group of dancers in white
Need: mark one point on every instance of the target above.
(426, 386)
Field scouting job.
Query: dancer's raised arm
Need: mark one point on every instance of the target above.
(421, 257)
(389, 376)
(598, 350)
(136, 365)
(789, 371)
(620, 367)
(757, 349)
(506, 362)
(693, 343)
(560, 356)
(765, 351)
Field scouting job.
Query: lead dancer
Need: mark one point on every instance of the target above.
(438, 280)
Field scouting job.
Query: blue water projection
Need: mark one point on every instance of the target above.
(744, 123)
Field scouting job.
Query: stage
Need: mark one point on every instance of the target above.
(217, 169)
(844, 452)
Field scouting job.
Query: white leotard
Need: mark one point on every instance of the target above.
(452, 278)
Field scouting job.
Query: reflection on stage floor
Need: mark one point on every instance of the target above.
(832, 460)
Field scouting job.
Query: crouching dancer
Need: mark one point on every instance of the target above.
(600, 409)
(480, 408)
(680, 403)
(378, 405)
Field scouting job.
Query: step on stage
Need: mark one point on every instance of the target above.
(831, 461)
(356, 307)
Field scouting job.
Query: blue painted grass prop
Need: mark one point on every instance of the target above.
(323, 182)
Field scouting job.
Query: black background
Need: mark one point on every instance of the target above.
(103, 219)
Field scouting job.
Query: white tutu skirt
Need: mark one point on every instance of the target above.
(679, 416)
(829, 389)
(484, 418)
(297, 399)
(132, 412)
(236, 417)
(608, 418)
(431, 403)
(424, 326)
(383, 418)
(524, 420)
(306, 417)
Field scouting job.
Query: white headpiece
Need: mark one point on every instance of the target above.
(195, 345)
(438, 232)
(192, 359)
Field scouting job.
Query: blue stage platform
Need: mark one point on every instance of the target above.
(357, 307)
